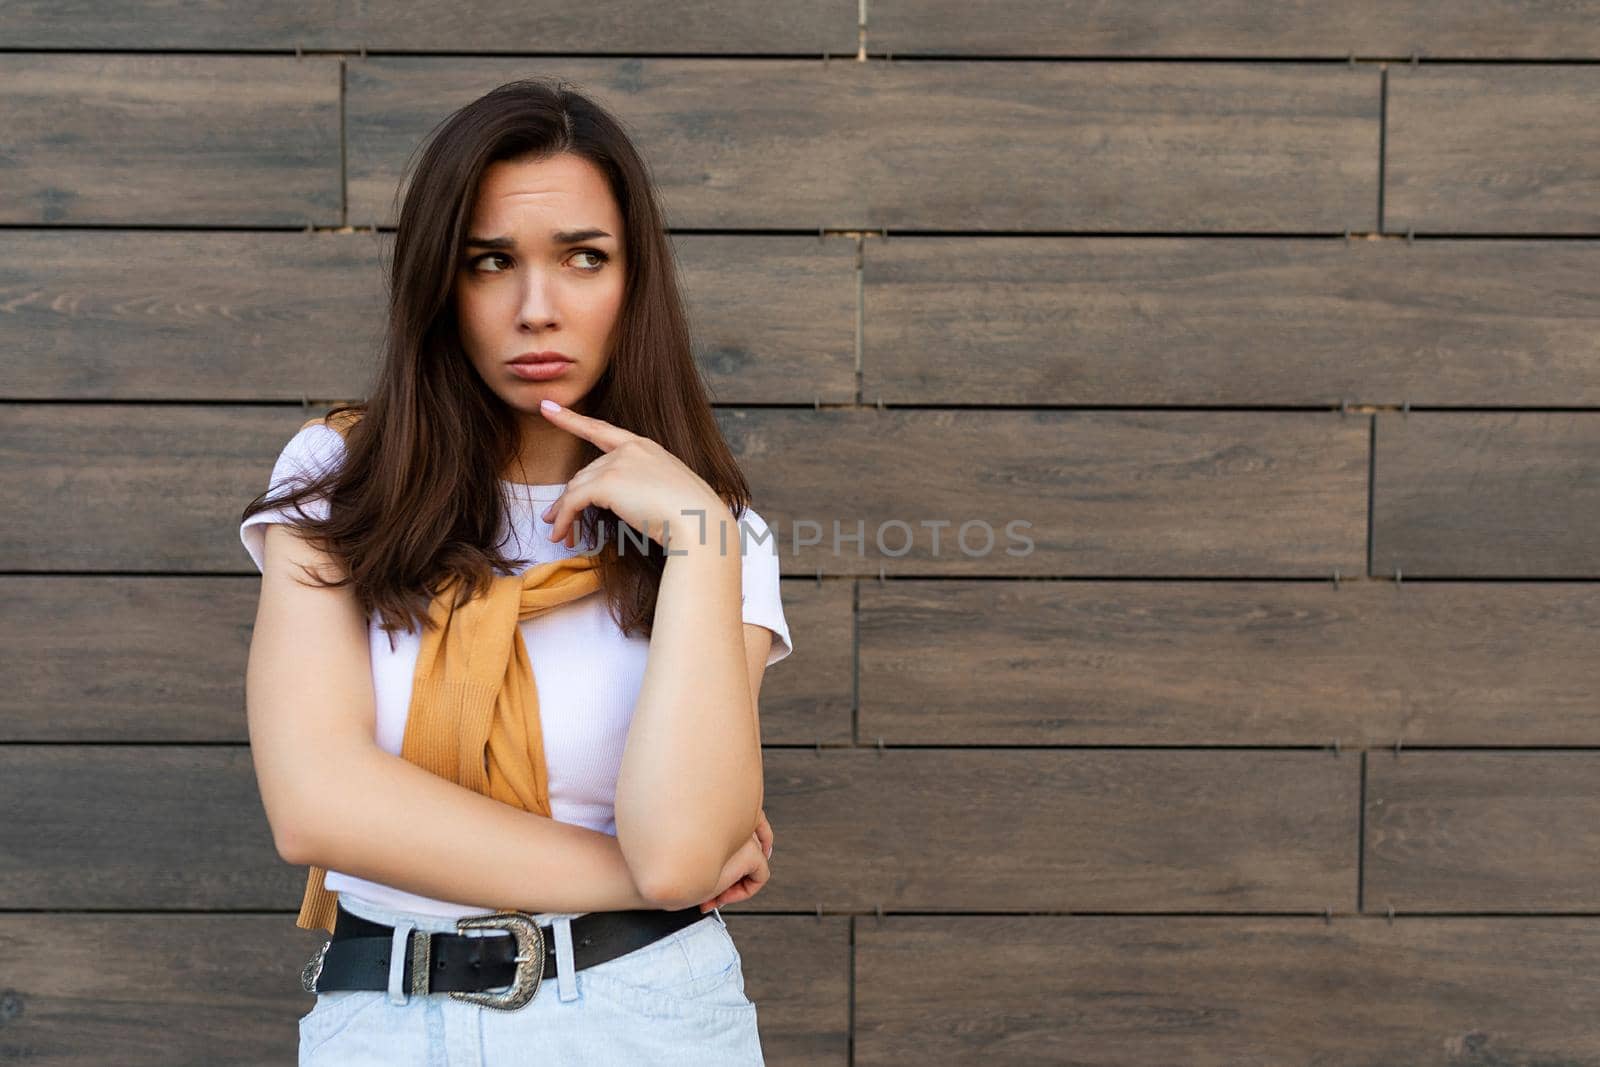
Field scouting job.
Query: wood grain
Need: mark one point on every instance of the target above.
(181, 140)
(1543, 29)
(1483, 831)
(1487, 494)
(986, 662)
(1229, 321)
(615, 26)
(1220, 991)
(1502, 149)
(1091, 146)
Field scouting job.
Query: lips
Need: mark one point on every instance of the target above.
(542, 357)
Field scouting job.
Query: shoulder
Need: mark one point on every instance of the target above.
(313, 448)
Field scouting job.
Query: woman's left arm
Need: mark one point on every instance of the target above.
(689, 792)
(690, 787)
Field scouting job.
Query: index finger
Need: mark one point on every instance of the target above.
(602, 433)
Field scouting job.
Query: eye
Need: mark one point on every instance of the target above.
(603, 258)
(475, 260)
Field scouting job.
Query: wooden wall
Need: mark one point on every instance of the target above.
(1280, 323)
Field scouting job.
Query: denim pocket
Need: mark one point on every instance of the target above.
(331, 1014)
(696, 969)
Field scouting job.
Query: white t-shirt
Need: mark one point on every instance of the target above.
(587, 672)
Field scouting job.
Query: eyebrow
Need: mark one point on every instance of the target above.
(560, 237)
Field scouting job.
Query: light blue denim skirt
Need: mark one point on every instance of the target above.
(678, 1000)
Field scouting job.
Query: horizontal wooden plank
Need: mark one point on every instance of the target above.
(1220, 992)
(1483, 831)
(615, 26)
(148, 631)
(1531, 29)
(1141, 493)
(1090, 146)
(1225, 321)
(274, 316)
(130, 487)
(1085, 830)
(1495, 149)
(159, 989)
(138, 827)
(170, 139)
(855, 829)
(205, 989)
(1245, 663)
(1487, 494)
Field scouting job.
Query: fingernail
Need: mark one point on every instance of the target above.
(549, 405)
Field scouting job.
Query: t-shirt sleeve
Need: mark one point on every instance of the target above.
(310, 452)
(759, 565)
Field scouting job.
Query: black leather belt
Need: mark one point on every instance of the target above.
(357, 956)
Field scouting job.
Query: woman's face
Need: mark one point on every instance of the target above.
(536, 276)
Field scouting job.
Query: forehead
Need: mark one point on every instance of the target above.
(535, 197)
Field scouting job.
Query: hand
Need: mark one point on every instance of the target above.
(642, 483)
(746, 885)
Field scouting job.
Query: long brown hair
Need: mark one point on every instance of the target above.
(417, 502)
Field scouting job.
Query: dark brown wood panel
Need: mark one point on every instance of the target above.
(1139, 493)
(811, 695)
(773, 318)
(614, 26)
(104, 658)
(122, 487)
(1091, 146)
(1246, 663)
(181, 827)
(169, 140)
(276, 316)
(108, 658)
(1487, 494)
(797, 969)
(84, 990)
(1225, 991)
(1495, 149)
(1242, 321)
(205, 316)
(137, 827)
(1483, 831)
(167, 990)
(1086, 830)
(1498, 29)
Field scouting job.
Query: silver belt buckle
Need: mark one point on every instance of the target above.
(530, 959)
(313, 968)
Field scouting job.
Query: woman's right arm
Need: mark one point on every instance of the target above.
(336, 800)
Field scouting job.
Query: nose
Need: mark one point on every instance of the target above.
(538, 304)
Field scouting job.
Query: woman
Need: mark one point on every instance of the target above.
(515, 612)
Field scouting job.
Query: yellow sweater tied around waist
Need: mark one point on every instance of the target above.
(474, 714)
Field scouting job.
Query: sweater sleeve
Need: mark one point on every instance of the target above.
(759, 565)
(309, 452)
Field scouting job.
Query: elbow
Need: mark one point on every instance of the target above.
(290, 848)
(689, 880)
(674, 890)
(294, 844)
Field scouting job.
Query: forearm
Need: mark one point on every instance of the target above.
(379, 817)
(689, 788)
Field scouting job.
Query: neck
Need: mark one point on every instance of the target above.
(548, 454)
